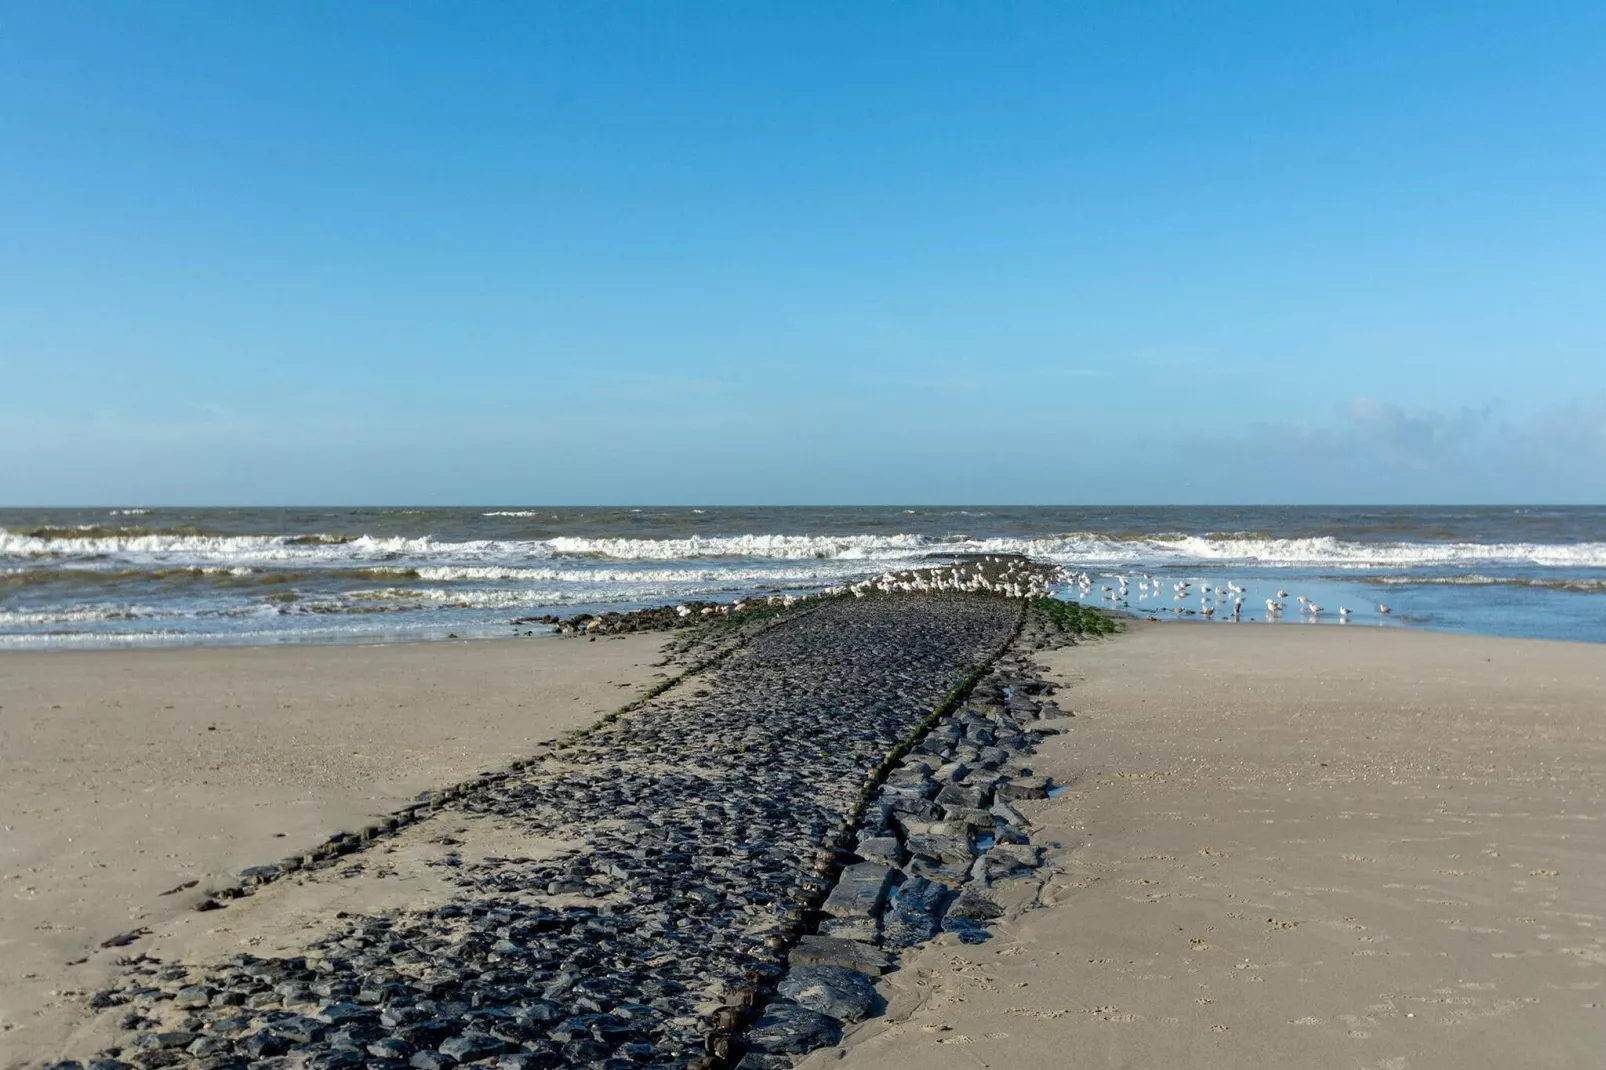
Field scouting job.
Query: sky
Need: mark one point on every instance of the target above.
(783, 253)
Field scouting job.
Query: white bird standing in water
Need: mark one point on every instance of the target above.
(1383, 609)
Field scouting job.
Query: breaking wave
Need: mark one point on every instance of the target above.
(1580, 586)
(1078, 548)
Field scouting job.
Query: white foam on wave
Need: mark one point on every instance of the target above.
(77, 615)
(308, 549)
(1326, 550)
(1079, 548)
(783, 547)
(724, 575)
(512, 512)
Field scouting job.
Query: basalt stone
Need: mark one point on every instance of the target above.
(913, 915)
(844, 994)
(471, 1047)
(152, 1041)
(786, 1028)
(759, 1060)
(391, 1048)
(529, 1060)
(1026, 787)
(585, 1050)
(952, 873)
(354, 1037)
(881, 849)
(830, 951)
(338, 1059)
(974, 821)
(431, 1060)
(969, 932)
(1009, 815)
(955, 849)
(1022, 857)
(299, 1029)
(155, 1059)
(264, 1045)
(428, 1033)
(210, 1045)
(960, 797)
(866, 930)
(973, 905)
(860, 890)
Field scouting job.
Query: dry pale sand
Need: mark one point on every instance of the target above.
(126, 774)
(1295, 847)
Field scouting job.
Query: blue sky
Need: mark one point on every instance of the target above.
(821, 252)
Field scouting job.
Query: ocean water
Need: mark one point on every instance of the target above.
(140, 576)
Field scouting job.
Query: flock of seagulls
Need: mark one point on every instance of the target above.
(1014, 577)
(1019, 578)
(1226, 598)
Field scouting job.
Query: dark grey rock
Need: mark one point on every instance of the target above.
(391, 1048)
(264, 1045)
(788, 1028)
(957, 849)
(860, 890)
(961, 797)
(758, 1060)
(1026, 787)
(844, 994)
(471, 1047)
(829, 951)
(974, 905)
(210, 1045)
(912, 917)
(863, 930)
(884, 850)
(431, 1060)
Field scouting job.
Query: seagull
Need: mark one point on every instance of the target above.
(1383, 609)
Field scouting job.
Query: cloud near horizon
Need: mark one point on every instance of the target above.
(1469, 454)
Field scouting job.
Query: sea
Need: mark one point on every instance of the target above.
(148, 576)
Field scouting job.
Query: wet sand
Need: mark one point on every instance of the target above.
(1295, 846)
(124, 775)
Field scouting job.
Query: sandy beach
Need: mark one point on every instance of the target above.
(124, 775)
(1293, 846)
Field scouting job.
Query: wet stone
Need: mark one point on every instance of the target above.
(882, 849)
(844, 994)
(860, 890)
(957, 849)
(829, 951)
(974, 905)
(471, 1047)
(968, 931)
(913, 915)
(864, 930)
(788, 1028)
(1027, 787)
